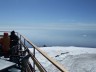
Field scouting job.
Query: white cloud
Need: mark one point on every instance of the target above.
(54, 26)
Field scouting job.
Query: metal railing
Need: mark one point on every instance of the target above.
(36, 63)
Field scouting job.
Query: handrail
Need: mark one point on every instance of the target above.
(40, 67)
(5, 31)
(54, 62)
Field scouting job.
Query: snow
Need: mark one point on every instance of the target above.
(74, 59)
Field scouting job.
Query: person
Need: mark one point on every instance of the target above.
(13, 46)
(13, 39)
(5, 43)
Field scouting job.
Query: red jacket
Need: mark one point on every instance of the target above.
(5, 42)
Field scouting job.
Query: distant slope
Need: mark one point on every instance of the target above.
(75, 59)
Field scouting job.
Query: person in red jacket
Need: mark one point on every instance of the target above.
(5, 42)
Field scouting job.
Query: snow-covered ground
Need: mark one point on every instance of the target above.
(74, 59)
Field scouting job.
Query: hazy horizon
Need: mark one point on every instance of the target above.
(80, 38)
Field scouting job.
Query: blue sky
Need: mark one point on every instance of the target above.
(48, 14)
(55, 22)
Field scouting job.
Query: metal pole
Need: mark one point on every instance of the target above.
(34, 56)
(24, 43)
(20, 43)
(17, 34)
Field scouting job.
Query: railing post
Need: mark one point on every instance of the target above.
(24, 43)
(17, 34)
(20, 43)
(34, 56)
